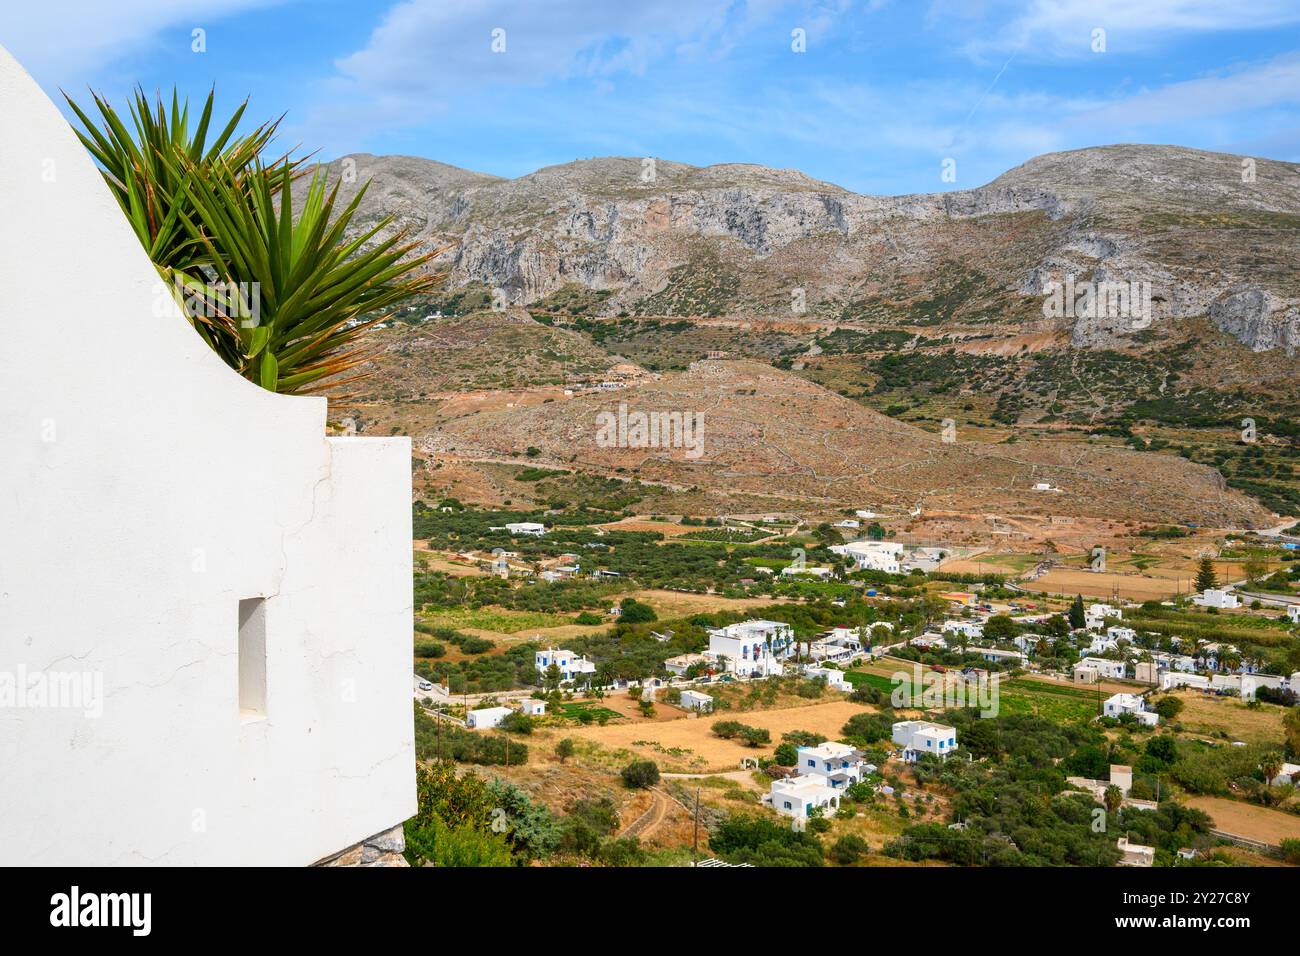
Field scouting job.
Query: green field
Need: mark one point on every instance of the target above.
(1016, 696)
(500, 620)
(571, 709)
(1061, 704)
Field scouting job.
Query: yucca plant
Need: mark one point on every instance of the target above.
(282, 301)
(312, 287)
(147, 166)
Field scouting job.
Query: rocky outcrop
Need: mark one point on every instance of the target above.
(1191, 225)
(1259, 319)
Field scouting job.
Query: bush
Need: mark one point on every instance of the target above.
(786, 755)
(586, 617)
(640, 774)
(819, 825)
(625, 851)
(868, 728)
(1168, 707)
(635, 612)
(517, 723)
(564, 749)
(848, 849)
(429, 649)
(1291, 851)
(764, 842)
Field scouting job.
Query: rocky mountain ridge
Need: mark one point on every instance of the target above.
(1210, 234)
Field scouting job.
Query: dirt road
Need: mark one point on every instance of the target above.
(647, 823)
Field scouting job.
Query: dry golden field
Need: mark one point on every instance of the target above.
(692, 746)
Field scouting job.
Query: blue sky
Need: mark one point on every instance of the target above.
(883, 93)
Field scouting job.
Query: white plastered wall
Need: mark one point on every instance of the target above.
(145, 490)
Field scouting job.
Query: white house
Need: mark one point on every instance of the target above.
(1100, 644)
(1293, 613)
(752, 648)
(486, 717)
(796, 571)
(1171, 679)
(1217, 597)
(1118, 633)
(995, 655)
(833, 677)
(873, 555)
(917, 737)
(1119, 704)
(532, 707)
(841, 643)
(927, 642)
(527, 528)
(1105, 668)
(831, 649)
(1288, 776)
(839, 765)
(968, 629)
(1095, 615)
(800, 796)
(1176, 662)
(1028, 643)
(1135, 854)
(683, 662)
(570, 663)
(190, 569)
(695, 700)
(848, 523)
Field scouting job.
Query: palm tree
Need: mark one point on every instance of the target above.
(1113, 798)
(1270, 765)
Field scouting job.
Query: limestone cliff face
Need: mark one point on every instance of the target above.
(1259, 319)
(1210, 233)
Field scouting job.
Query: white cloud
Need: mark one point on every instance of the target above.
(61, 42)
(428, 55)
(1264, 85)
(1063, 28)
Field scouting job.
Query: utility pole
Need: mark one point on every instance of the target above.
(695, 840)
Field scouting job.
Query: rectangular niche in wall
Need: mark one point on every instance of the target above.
(252, 659)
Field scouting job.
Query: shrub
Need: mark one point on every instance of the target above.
(635, 612)
(786, 755)
(517, 723)
(868, 728)
(1291, 851)
(764, 842)
(640, 774)
(848, 849)
(1168, 707)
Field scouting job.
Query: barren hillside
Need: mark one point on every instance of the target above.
(765, 431)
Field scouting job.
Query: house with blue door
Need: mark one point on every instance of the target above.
(803, 796)
(839, 765)
(916, 737)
